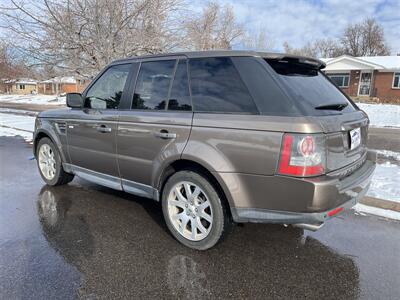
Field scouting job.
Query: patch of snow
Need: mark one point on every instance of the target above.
(385, 213)
(5, 131)
(66, 79)
(382, 115)
(389, 154)
(23, 123)
(17, 125)
(388, 62)
(19, 111)
(385, 182)
(33, 99)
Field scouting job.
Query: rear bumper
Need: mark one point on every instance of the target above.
(293, 200)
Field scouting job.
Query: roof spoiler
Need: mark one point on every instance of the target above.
(309, 61)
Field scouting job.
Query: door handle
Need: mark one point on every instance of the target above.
(103, 129)
(164, 134)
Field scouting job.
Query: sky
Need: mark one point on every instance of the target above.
(300, 21)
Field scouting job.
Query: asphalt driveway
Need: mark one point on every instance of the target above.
(86, 241)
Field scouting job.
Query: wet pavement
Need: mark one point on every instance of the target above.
(85, 241)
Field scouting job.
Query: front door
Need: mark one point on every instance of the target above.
(156, 128)
(92, 131)
(364, 88)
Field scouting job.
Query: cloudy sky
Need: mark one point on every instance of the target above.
(299, 21)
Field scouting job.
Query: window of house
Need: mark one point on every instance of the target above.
(341, 80)
(152, 86)
(217, 87)
(396, 80)
(21, 86)
(106, 92)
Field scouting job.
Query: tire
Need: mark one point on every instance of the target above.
(56, 175)
(205, 213)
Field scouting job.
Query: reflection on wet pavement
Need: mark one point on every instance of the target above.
(86, 241)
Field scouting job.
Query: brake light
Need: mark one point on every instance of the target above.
(302, 155)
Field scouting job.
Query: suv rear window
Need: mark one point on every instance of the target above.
(217, 87)
(310, 88)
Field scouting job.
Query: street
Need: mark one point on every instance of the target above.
(86, 241)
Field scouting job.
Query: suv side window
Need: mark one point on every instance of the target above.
(152, 85)
(106, 92)
(179, 98)
(217, 87)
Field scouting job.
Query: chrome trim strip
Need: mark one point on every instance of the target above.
(113, 182)
(96, 177)
(139, 189)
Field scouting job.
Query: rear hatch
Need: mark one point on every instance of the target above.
(345, 126)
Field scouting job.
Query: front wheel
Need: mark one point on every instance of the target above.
(50, 164)
(193, 210)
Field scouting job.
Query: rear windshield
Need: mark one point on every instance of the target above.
(310, 88)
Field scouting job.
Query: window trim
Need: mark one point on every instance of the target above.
(125, 90)
(172, 82)
(338, 75)
(136, 82)
(394, 76)
(257, 113)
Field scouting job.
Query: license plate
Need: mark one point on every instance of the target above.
(355, 138)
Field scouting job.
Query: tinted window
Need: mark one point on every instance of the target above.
(217, 87)
(106, 92)
(153, 84)
(267, 95)
(180, 97)
(309, 87)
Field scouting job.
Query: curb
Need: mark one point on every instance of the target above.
(381, 203)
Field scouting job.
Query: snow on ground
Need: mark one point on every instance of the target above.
(382, 115)
(33, 99)
(13, 125)
(5, 131)
(386, 182)
(389, 154)
(385, 213)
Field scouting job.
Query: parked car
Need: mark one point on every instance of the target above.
(216, 136)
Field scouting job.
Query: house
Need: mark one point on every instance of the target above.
(19, 86)
(366, 76)
(60, 85)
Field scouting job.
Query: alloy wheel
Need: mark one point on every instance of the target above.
(47, 161)
(190, 211)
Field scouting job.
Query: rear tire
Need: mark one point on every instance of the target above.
(193, 210)
(50, 165)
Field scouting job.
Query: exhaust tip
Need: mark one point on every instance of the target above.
(311, 227)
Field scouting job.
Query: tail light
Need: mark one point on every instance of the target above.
(302, 155)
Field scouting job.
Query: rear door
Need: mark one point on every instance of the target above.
(155, 128)
(92, 133)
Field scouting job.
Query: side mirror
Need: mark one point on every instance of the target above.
(74, 100)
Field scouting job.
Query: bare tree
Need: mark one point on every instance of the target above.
(82, 36)
(319, 48)
(258, 40)
(215, 28)
(12, 66)
(364, 39)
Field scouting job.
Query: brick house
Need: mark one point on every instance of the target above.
(366, 76)
(60, 85)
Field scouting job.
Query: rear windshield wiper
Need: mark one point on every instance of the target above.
(332, 106)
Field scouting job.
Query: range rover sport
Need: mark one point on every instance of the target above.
(217, 137)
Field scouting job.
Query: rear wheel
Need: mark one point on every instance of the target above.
(193, 210)
(50, 164)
